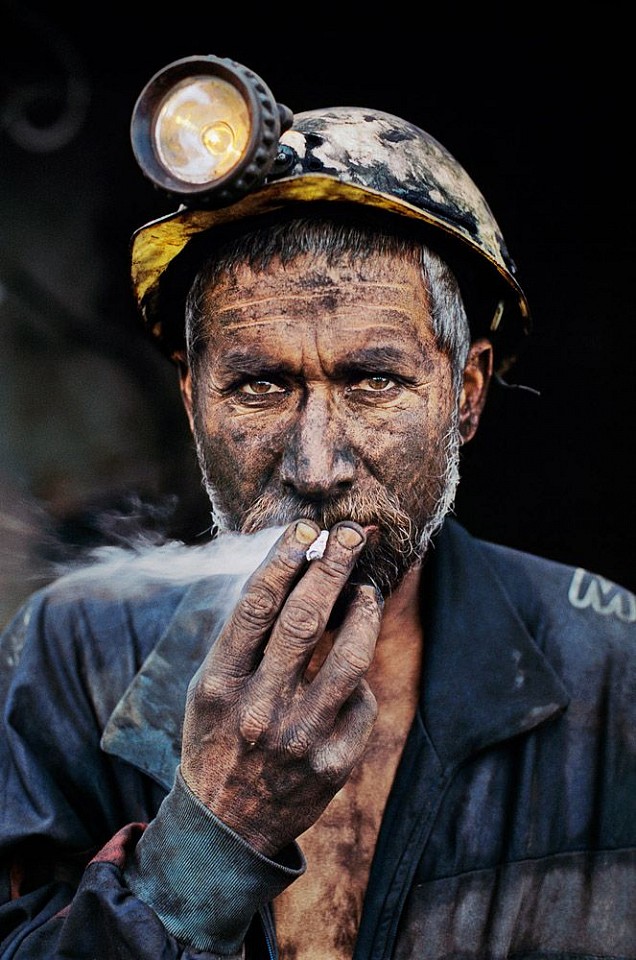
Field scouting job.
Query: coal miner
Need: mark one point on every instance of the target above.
(385, 738)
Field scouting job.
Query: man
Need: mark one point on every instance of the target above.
(414, 744)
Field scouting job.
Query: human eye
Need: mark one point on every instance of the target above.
(260, 388)
(378, 383)
(375, 384)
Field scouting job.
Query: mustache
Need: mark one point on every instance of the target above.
(388, 554)
(379, 508)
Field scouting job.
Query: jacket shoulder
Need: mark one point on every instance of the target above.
(94, 621)
(566, 590)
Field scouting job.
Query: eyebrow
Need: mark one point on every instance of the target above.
(364, 360)
(373, 359)
(246, 363)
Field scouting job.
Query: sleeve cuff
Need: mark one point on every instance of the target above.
(204, 881)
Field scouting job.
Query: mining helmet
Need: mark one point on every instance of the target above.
(208, 132)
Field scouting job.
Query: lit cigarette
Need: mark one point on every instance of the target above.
(317, 548)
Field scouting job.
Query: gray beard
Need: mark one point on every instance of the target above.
(403, 539)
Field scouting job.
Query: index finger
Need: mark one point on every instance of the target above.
(239, 646)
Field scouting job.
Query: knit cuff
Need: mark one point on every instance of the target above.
(202, 879)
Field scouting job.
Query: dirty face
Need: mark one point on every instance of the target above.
(320, 392)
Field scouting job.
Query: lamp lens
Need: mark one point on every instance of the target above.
(201, 129)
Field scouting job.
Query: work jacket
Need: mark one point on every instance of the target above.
(509, 831)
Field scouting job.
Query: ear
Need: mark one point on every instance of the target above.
(185, 385)
(477, 377)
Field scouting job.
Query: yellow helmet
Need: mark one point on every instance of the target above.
(352, 156)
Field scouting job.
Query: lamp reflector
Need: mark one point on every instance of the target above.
(201, 129)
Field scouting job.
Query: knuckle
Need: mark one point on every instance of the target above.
(351, 659)
(254, 721)
(286, 567)
(301, 619)
(208, 687)
(327, 765)
(335, 566)
(297, 742)
(257, 608)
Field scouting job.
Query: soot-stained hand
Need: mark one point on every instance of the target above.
(264, 746)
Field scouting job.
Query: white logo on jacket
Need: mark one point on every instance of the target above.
(603, 596)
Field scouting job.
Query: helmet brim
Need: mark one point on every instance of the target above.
(156, 245)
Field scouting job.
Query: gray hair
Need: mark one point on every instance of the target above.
(334, 239)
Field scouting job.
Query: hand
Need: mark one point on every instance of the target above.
(265, 747)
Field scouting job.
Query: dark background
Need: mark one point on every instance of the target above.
(93, 441)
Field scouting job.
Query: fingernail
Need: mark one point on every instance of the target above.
(349, 536)
(305, 533)
(372, 591)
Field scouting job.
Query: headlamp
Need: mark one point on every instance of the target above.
(205, 130)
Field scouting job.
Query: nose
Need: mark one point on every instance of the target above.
(318, 461)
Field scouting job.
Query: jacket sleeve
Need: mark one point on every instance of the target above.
(93, 864)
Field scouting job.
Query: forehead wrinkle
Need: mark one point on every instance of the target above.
(258, 322)
(326, 287)
(400, 317)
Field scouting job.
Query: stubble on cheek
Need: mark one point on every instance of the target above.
(235, 463)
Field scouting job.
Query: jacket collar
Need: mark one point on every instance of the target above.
(146, 725)
(484, 677)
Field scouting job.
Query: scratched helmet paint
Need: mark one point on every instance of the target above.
(354, 156)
